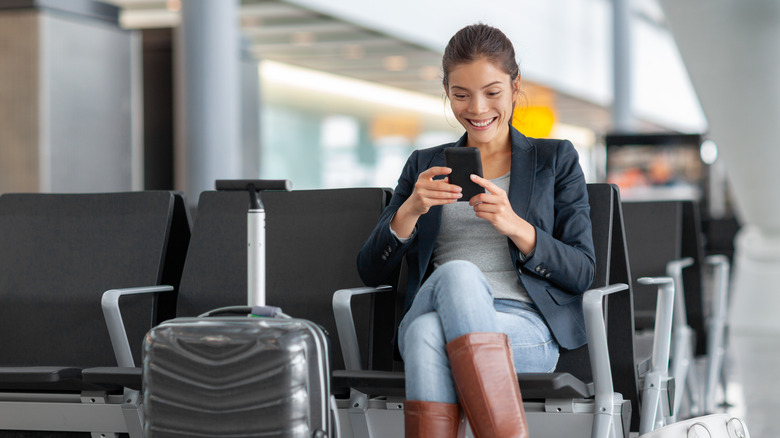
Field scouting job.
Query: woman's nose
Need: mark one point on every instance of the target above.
(477, 105)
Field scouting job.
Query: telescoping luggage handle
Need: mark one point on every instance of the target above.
(256, 263)
(255, 231)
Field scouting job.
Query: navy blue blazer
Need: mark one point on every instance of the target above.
(547, 189)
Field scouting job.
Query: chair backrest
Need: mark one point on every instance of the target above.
(576, 362)
(620, 316)
(693, 246)
(653, 233)
(59, 253)
(175, 255)
(312, 241)
(658, 232)
(611, 267)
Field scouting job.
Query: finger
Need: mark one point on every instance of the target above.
(487, 184)
(441, 195)
(440, 187)
(435, 171)
(438, 184)
(439, 190)
(484, 207)
(426, 180)
(484, 198)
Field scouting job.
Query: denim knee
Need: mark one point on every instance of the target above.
(428, 375)
(459, 268)
(466, 276)
(422, 337)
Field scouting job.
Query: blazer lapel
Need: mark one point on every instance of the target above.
(521, 183)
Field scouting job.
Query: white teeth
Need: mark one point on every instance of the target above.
(481, 124)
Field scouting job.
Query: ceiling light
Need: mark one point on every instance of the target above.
(430, 73)
(303, 38)
(173, 5)
(395, 63)
(709, 152)
(251, 21)
(353, 51)
(285, 74)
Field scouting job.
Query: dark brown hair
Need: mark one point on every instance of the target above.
(479, 41)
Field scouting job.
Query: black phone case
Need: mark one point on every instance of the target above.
(464, 161)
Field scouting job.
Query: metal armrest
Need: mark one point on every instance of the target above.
(674, 270)
(654, 407)
(345, 324)
(683, 369)
(721, 266)
(596, 331)
(116, 327)
(662, 334)
(716, 327)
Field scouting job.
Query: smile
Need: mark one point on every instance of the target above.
(482, 123)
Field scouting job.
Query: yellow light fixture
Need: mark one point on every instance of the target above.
(534, 121)
(387, 125)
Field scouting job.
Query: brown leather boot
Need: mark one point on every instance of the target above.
(431, 419)
(485, 379)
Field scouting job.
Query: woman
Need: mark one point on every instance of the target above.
(495, 284)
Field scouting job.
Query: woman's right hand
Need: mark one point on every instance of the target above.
(426, 194)
(429, 192)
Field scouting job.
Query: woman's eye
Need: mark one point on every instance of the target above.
(493, 93)
(460, 96)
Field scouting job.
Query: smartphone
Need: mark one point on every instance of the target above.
(464, 161)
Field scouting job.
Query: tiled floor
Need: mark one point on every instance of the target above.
(754, 382)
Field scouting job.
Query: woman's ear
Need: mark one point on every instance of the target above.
(516, 87)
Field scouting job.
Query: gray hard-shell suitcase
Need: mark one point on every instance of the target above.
(230, 376)
(244, 371)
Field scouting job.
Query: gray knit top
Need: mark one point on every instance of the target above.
(464, 236)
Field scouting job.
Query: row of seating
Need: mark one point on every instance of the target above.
(61, 369)
(665, 238)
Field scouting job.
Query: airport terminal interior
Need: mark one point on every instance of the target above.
(671, 105)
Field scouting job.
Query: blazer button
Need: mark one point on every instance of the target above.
(384, 257)
(547, 275)
(538, 268)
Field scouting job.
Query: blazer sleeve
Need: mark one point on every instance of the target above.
(382, 253)
(564, 256)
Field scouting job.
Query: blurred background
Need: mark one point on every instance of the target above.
(326, 94)
(669, 99)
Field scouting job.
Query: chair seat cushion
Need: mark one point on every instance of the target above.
(532, 385)
(50, 378)
(553, 385)
(389, 383)
(124, 376)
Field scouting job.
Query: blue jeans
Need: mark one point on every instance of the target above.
(455, 300)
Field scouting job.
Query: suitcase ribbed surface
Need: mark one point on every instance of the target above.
(234, 378)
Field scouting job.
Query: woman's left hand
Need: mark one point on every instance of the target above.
(495, 208)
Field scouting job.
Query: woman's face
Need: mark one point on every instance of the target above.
(481, 96)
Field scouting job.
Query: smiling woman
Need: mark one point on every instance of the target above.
(475, 312)
(482, 98)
